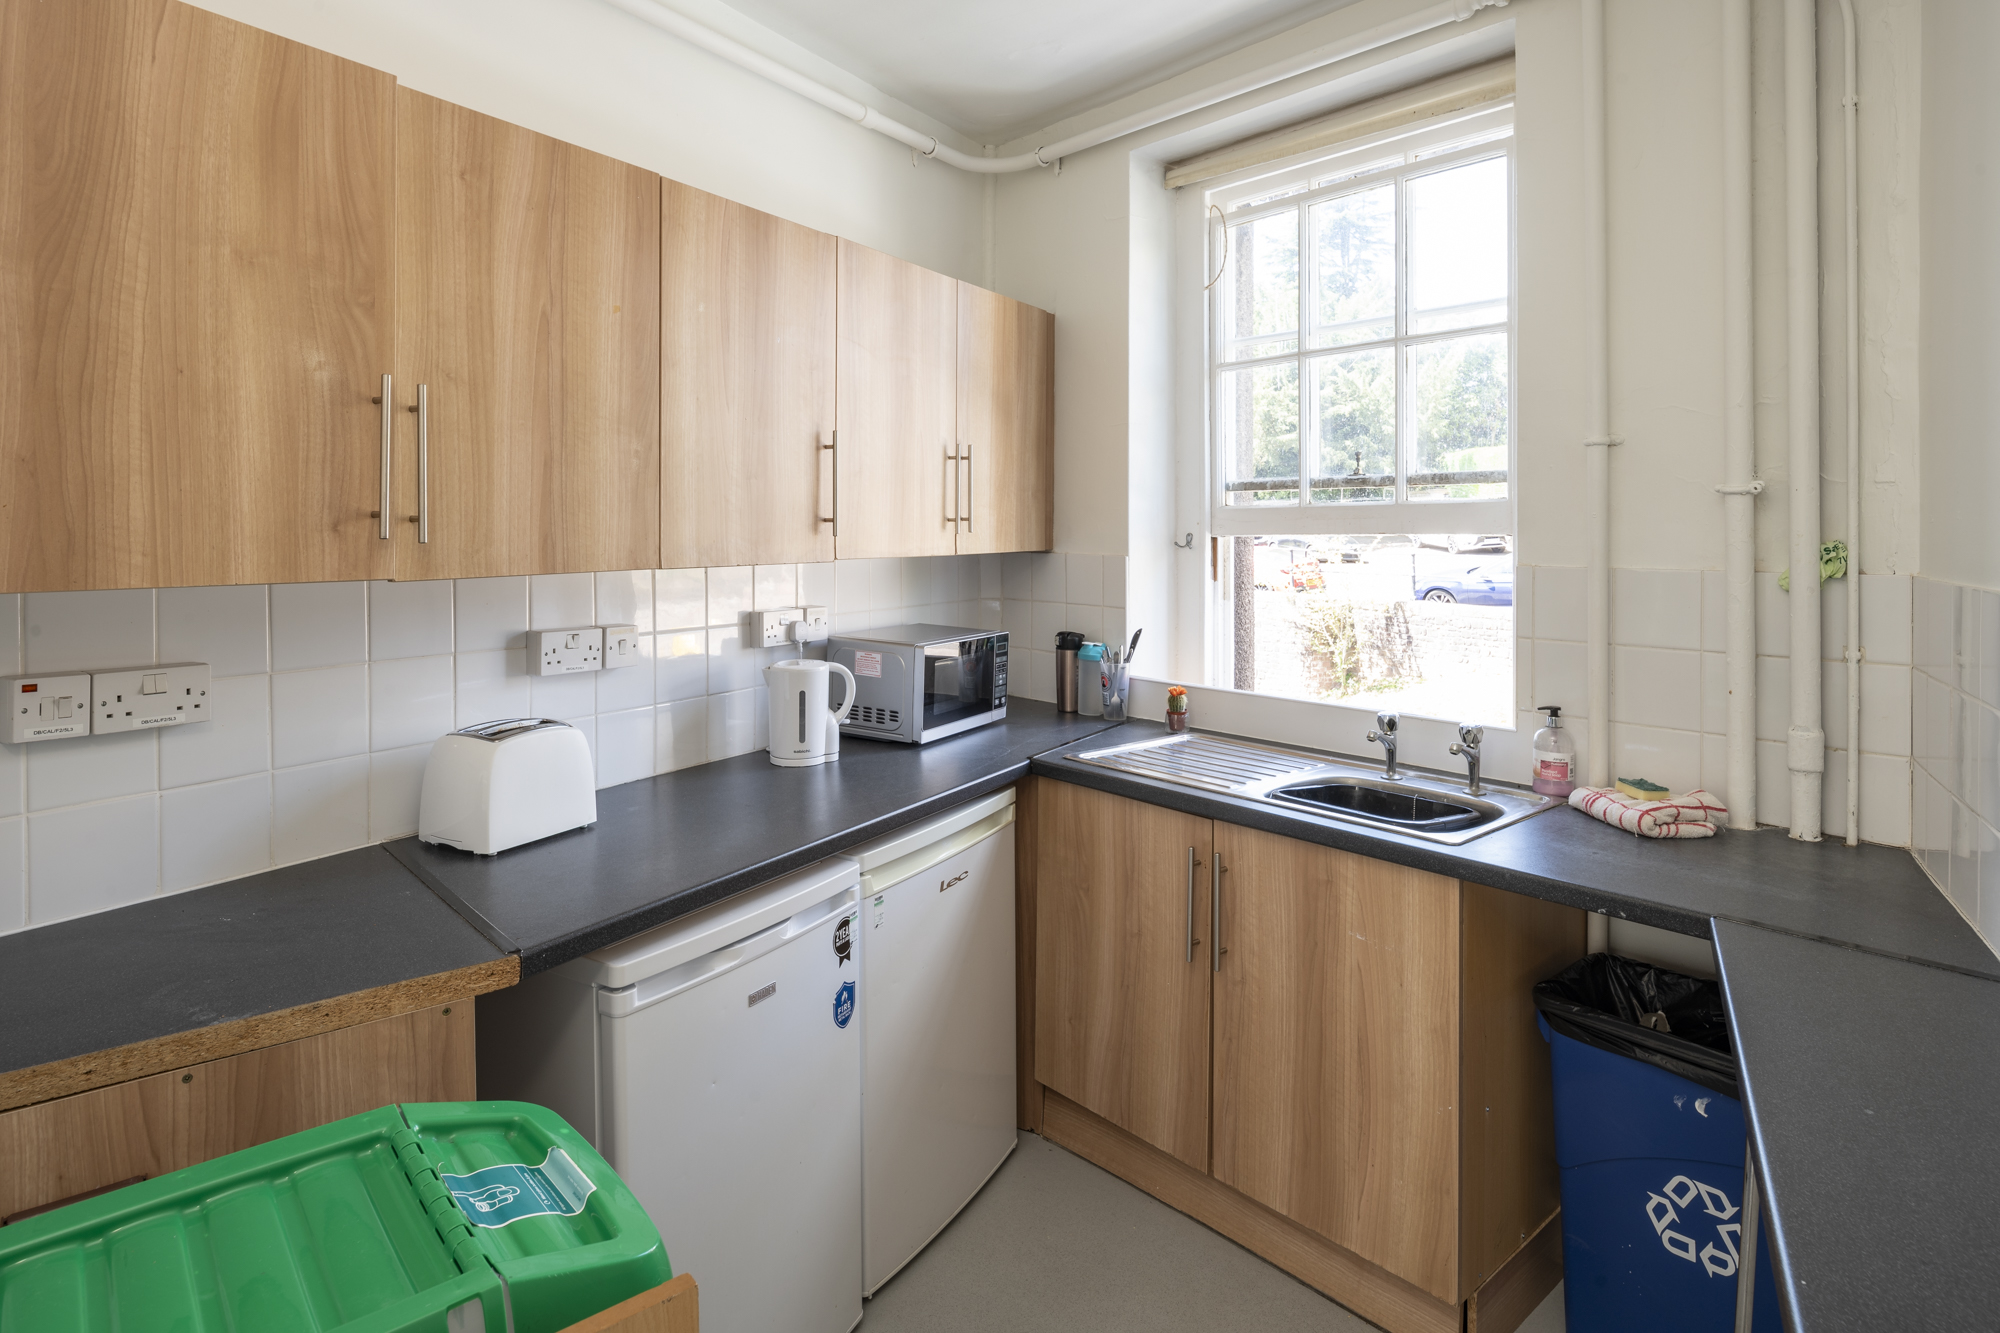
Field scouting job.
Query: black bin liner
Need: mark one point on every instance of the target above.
(1645, 1013)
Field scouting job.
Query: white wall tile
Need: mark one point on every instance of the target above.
(13, 779)
(410, 702)
(215, 831)
(969, 567)
(1524, 675)
(986, 613)
(587, 728)
(1979, 739)
(1085, 620)
(10, 633)
(732, 724)
(886, 579)
(681, 735)
(773, 586)
(409, 619)
(731, 592)
(228, 628)
(1931, 608)
(1559, 608)
(1050, 619)
(395, 791)
(89, 858)
(1774, 784)
(491, 614)
(1967, 641)
(491, 685)
(680, 666)
(318, 715)
(1656, 608)
(1715, 768)
(1774, 698)
(565, 698)
(561, 601)
(91, 768)
(1114, 580)
(1930, 826)
(680, 598)
(1714, 611)
(1116, 629)
(992, 575)
(817, 584)
(1988, 920)
(624, 746)
(236, 739)
(1984, 656)
(731, 666)
(1017, 575)
(1086, 580)
(318, 625)
(1885, 800)
(630, 686)
(1886, 624)
(1962, 873)
(14, 874)
(1040, 682)
(1657, 754)
(853, 587)
(319, 809)
(1051, 573)
(1715, 693)
(1018, 619)
(1657, 687)
(1560, 677)
(626, 598)
(1885, 707)
(1774, 632)
(87, 631)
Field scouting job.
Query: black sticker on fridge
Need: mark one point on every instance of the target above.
(843, 939)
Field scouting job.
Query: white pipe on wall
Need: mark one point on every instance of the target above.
(1395, 30)
(1740, 486)
(1850, 105)
(1597, 446)
(1805, 741)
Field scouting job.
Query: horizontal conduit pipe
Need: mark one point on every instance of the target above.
(1047, 155)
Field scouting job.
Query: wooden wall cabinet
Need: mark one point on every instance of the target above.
(746, 384)
(1006, 423)
(196, 300)
(1355, 1089)
(527, 312)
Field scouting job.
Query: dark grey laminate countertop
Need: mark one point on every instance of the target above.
(668, 845)
(1873, 1090)
(273, 941)
(1874, 897)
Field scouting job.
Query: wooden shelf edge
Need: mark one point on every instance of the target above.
(670, 1307)
(1520, 1285)
(120, 1064)
(1376, 1295)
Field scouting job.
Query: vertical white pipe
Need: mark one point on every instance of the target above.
(1597, 447)
(1805, 741)
(1740, 486)
(1850, 104)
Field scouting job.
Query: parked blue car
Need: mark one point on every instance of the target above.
(1488, 582)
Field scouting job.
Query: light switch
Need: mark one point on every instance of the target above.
(558, 652)
(148, 697)
(45, 708)
(621, 646)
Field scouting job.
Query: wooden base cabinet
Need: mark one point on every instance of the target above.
(1354, 1052)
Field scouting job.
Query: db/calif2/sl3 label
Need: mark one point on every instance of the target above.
(494, 1196)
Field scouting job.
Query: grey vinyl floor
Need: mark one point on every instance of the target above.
(1053, 1242)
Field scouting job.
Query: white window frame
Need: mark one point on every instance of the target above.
(1419, 154)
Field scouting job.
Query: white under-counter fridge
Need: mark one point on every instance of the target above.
(715, 1062)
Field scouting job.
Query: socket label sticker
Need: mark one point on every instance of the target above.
(496, 1196)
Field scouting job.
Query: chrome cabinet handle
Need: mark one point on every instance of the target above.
(1215, 907)
(830, 488)
(422, 518)
(951, 482)
(965, 457)
(388, 444)
(1191, 940)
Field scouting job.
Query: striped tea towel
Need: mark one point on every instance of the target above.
(1689, 816)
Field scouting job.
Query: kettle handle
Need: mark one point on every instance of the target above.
(847, 705)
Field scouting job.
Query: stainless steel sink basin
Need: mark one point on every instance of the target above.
(1418, 804)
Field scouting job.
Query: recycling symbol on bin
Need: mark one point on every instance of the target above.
(1664, 1211)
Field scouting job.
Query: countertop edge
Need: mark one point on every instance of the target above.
(198, 1045)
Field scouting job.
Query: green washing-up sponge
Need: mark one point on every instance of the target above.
(1641, 790)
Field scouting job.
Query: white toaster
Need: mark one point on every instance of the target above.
(500, 784)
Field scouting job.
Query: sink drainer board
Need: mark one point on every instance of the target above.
(1418, 805)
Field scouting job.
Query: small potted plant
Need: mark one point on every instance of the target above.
(1177, 712)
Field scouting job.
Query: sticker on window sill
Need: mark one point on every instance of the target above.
(495, 1196)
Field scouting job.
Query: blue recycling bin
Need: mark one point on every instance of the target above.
(1652, 1179)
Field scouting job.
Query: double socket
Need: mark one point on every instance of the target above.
(561, 652)
(784, 625)
(53, 706)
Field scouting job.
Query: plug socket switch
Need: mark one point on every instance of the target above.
(147, 697)
(811, 626)
(46, 708)
(559, 652)
(621, 646)
(767, 629)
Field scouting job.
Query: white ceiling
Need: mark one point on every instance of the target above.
(996, 70)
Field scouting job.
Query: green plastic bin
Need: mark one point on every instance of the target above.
(425, 1218)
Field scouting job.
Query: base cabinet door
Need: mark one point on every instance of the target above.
(1122, 965)
(1336, 1049)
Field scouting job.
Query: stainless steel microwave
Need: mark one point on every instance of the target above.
(916, 683)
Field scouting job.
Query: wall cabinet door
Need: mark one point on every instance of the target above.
(1006, 423)
(746, 383)
(528, 289)
(195, 297)
(1121, 964)
(1336, 1048)
(898, 385)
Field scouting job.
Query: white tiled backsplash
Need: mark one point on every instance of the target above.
(1955, 720)
(327, 697)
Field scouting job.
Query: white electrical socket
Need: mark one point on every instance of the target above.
(145, 697)
(621, 646)
(558, 652)
(784, 625)
(811, 626)
(46, 708)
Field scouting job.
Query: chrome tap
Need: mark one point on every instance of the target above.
(1386, 734)
(1469, 738)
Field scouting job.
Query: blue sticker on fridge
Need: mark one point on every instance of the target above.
(843, 1004)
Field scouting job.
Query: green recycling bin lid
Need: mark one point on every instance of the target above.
(398, 1220)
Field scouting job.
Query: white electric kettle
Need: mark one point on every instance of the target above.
(805, 728)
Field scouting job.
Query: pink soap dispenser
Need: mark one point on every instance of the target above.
(1555, 757)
